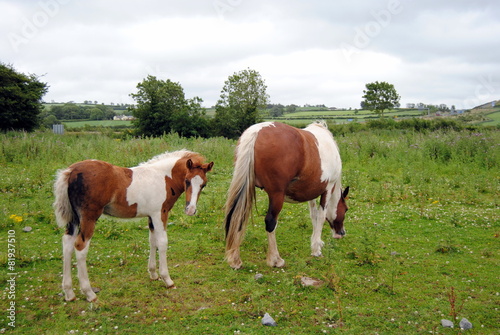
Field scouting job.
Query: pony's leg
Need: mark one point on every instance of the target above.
(233, 257)
(152, 256)
(68, 242)
(275, 206)
(318, 216)
(83, 276)
(273, 256)
(161, 243)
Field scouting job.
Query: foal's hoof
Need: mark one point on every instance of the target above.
(172, 287)
(69, 295)
(71, 298)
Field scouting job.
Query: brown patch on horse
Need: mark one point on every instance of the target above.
(291, 165)
(96, 187)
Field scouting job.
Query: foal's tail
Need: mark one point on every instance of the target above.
(62, 206)
(240, 197)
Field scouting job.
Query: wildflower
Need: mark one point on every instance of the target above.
(16, 218)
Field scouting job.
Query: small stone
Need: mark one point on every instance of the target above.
(258, 276)
(446, 323)
(307, 281)
(267, 320)
(465, 324)
(96, 289)
(27, 229)
(394, 253)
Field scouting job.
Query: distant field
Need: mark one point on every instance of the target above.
(495, 118)
(342, 116)
(102, 123)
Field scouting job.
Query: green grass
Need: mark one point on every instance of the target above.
(423, 221)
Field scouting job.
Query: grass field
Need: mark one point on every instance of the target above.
(94, 123)
(422, 244)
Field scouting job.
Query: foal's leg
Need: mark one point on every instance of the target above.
(275, 206)
(83, 276)
(152, 251)
(68, 242)
(318, 215)
(82, 243)
(160, 236)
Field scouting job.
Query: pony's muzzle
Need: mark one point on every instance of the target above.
(190, 209)
(339, 234)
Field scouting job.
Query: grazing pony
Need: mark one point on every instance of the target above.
(87, 189)
(291, 165)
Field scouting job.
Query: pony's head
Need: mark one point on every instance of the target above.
(337, 224)
(195, 181)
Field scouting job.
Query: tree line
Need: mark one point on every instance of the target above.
(162, 107)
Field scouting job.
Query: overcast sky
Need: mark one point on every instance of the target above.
(308, 52)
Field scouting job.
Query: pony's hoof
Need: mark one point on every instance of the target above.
(317, 254)
(236, 265)
(172, 287)
(278, 263)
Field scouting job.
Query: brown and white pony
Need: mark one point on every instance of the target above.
(87, 189)
(291, 165)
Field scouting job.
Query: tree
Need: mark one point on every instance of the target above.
(162, 108)
(379, 97)
(242, 100)
(20, 99)
(276, 110)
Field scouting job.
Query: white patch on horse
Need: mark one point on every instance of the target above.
(196, 183)
(147, 189)
(328, 153)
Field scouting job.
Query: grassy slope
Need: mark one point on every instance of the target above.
(423, 218)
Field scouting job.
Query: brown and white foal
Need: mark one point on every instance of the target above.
(86, 190)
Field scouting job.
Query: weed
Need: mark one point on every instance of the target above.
(454, 308)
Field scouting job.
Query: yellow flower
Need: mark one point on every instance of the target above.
(16, 218)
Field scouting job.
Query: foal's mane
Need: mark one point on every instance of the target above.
(172, 155)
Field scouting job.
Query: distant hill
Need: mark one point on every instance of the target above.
(488, 105)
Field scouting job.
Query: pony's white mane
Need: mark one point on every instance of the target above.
(175, 155)
(319, 123)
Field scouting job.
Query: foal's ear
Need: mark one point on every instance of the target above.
(346, 192)
(189, 164)
(209, 166)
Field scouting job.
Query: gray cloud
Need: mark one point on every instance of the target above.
(307, 52)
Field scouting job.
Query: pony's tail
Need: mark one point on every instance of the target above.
(62, 206)
(240, 197)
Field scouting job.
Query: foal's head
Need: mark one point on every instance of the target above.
(338, 223)
(195, 180)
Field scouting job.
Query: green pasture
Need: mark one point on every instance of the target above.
(97, 123)
(494, 118)
(422, 244)
(343, 116)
